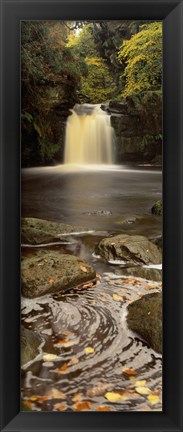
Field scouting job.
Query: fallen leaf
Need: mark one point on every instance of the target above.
(54, 393)
(27, 404)
(45, 260)
(103, 408)
(130, 372)
(117, 297)
(41, 399)
(51, 281)
(153, 399)
(98, 390)
(115, 396)
(77, 397)
(33, 398)
(84, 269)
(83, 406)
(140, 383)
(73, 362)
(62, 369)
(50, 357)
(60, 407)
(62, 341)
(89, 350)
(142, 390)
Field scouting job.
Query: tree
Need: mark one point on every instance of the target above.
(141, 59)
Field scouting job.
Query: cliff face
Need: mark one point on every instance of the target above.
(137, 122)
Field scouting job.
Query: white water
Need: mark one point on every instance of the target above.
(89, 138)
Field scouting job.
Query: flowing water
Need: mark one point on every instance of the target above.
(85, 329)
(89, 137)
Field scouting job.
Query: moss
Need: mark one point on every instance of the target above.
(157, 208)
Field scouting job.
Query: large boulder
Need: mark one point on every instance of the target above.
(129, 248)
(145, 318)
(51, 272)
(38, 231)
(30, 345)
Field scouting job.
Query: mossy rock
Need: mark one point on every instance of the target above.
(30, 345)
(133, 249)
(157, 208)
(51, 272)
(39, 231)
(145, 319)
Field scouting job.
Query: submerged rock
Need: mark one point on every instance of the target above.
(39, 231)
(145, 318)
(157, 208)
(51, 272)
(145, 273)
(30, 345)
(129, 248)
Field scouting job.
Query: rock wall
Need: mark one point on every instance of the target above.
(137, 122)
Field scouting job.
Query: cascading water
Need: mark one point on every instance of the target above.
(89, 137)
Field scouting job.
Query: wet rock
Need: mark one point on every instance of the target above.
(129, 248)
(157, 208)
(99, 213)
(30, 345)
(39, 231)
(145, 318)
(145, 273)
(51, 272)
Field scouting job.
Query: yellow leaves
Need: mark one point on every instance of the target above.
(140, 383)
(116, 396)
(89, 350)
(153, 398)
(50, 357)
(130, 371)
(117, 297)
(142, 390)
(84, 269)
(83, 406)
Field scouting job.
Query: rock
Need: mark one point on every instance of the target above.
(137, 122)
(51, 272)
(157, 208)
(30, 345)
(98, 213)
(39, 231)
(118, 107)
(129, 248)
(145, 273)
(145, 318)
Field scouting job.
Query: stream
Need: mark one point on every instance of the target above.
(88, 354)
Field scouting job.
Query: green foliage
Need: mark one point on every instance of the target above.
(98, 86)
(141, 57)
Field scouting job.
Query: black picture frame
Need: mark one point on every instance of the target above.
(171, 12)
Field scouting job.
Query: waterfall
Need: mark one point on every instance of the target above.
(89, 136)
